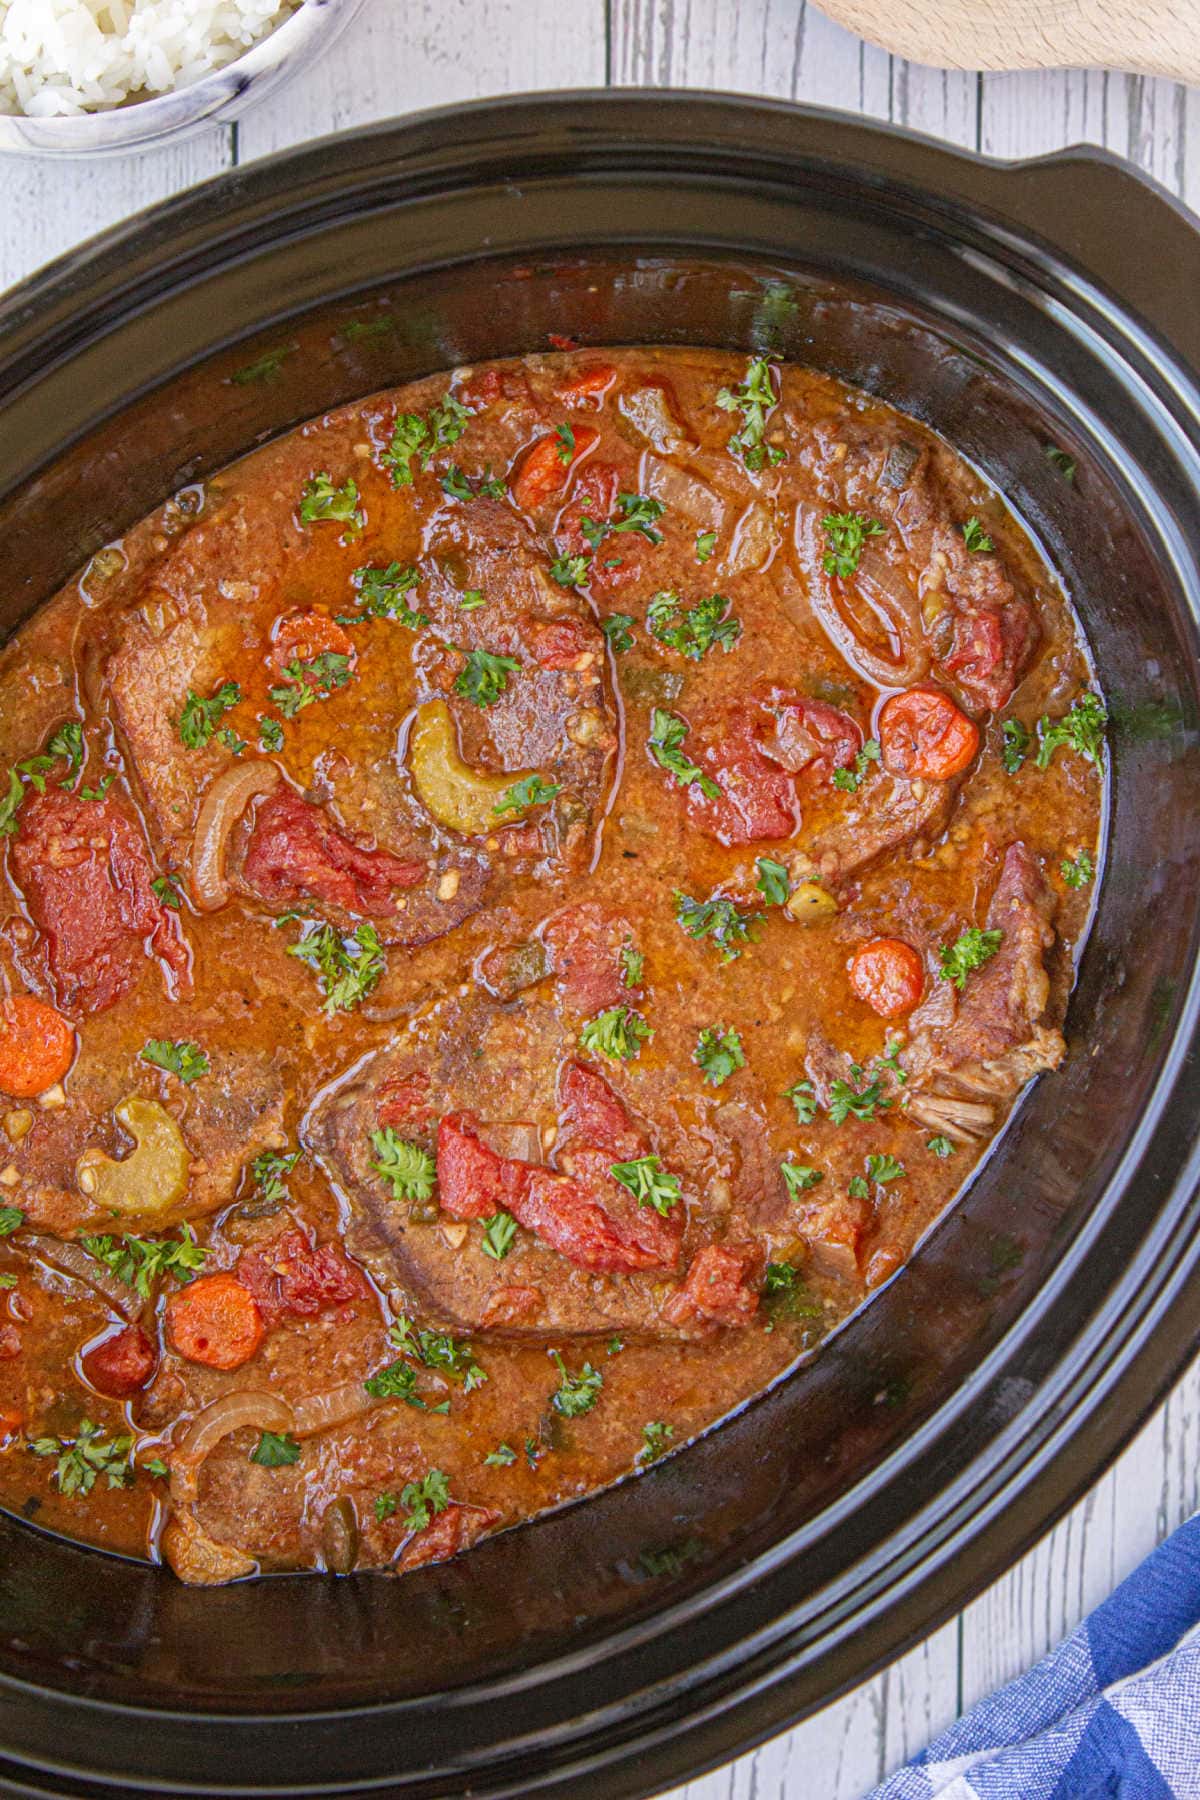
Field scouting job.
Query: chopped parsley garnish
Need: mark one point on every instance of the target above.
(667, 733)
(618, 1033)
(398, 1381)
(616, 629)
(706, 543)
(940, 1146)
(349, 967)
(632, 963)
(850, 780)
(422, 1499)
(502, 1457)
(1081, 730)
(141, 1262)
(408, 434)
(848, 1098)
(11, 1219)
(498, 1234)
(635, 512)
(322, 502)
(227, 737)
(10, 803)
(461, 487)
(614, 1346)
(447, 422)
(313, 680)
(884, 1169)
(438, 1350)
(179, 1057)
(695, 631)
(575, 1394)
(410, 1170)
(530, 791)
(799, 1177)
(485, 676)
(565, 447)
(166, 887)
(569, 571)
(67, 742)
(847, 533)
(157, 1467)
(976, 538)
(656, 1441)
(7, 1280)
(379, 592)
(718, 1054)
(270, 733)
(275, 1450)
(774, 883)
(269, 1173)
(719, 919)
(471, 599)
(385, 1506)
(785, 1295)
(755, 399)
(803, 1099)
(857, 1188)
(199, 717)
(1078, 873)
(649, 1183)
(970, 950)
(267, 367)
(1016, 743)
(1062, 460)
(89, 1454)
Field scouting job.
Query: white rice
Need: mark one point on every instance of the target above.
(59, 57)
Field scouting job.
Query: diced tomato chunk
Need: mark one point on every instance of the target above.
(560, 643)
(487, 386)
(810, 736)
(989, 646)
(448, 1533)
(215, 1320)
(87, 878)
(122, 1364)
(293, 1279)
(404, 1099)
(546, 467)
(591, 1112)
(585, 943)
(513, 1306)
(301, 636)
(568, 1214)
(474, 1181)
(758, 801)
(888, 976)
(296, 852)
(721, 1286)
(10, 1341)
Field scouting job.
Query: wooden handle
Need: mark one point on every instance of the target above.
(1151, 37)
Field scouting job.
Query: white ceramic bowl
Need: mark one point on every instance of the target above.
(138, 125)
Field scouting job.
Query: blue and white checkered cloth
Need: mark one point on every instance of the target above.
(1112, 1714)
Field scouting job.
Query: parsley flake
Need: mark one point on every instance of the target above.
(531, 790)
(847, 533)
(498, 1234)
(649, 1183)
(616, 629)
(883, 1169)
(349, 968)
(848, 1098)
(569, 571)
(275, 1450)
(502, 1457)
(141, 1262)
(409, 1170)
(976, 538)
(575, 1394)
(11, 1219)
(719, 919)
(200, 717)
(706, 543)
(755, 399)
(940, 1146)
(667, 734)
(635, 512)
(438, 1350)
(850, 780)
(1082, 730)
(804, 1099)
(799, 1177)
(656, 1441)
(422, 1499)
(774, 883)
(86, 1456)
(1078, 873)
(970, 950)
(718, 1054)
(321, 502)
(618, 1033)
(697, 629)
(1015, 747)
(379, 591)
(177, 1057)
(485, 676)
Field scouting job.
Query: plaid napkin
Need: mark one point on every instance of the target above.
(1112, 1714)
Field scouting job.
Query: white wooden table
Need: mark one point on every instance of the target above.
(404, 54)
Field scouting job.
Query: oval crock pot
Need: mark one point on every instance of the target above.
(626, 1642)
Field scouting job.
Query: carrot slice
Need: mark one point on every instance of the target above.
(888, 975)
(922, 733)
(587, 384)
(37, 1046)
(544, 471)
(215, 1321)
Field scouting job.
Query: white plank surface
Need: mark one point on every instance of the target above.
(398, 56)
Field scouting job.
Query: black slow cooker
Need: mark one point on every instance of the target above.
(1043, 317)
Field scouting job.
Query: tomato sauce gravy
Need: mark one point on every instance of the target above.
(522, 900)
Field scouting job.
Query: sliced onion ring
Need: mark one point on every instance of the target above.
(245, 1407)
(334, 1406)
(72, 1259)
(883, 591)
(224, 803)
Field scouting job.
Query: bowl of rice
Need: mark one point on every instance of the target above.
(84, 76)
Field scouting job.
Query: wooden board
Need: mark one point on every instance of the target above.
(433, 51)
